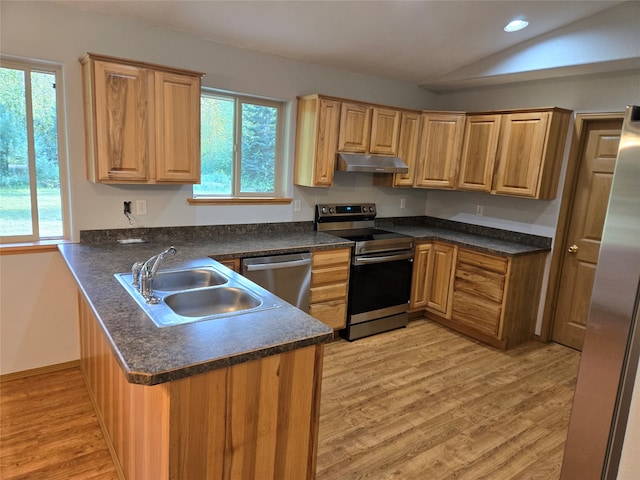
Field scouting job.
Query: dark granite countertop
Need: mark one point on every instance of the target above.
(150, 355)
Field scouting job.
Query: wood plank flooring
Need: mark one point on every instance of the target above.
(427, 403)
(420, 403)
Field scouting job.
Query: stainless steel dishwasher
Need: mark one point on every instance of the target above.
(287, 276)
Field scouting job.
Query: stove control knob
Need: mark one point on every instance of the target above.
(331, 210)
(323, 210)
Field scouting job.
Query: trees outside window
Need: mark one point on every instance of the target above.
(30, 192)
(241, 144)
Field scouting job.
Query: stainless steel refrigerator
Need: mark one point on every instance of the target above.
(612, 342)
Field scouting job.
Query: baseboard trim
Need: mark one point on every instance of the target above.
(40, 370)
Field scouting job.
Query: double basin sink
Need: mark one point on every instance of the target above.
(198, 293)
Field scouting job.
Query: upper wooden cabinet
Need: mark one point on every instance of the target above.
(440, 145)
(479, 152)
(368, 129)
(316, 141)
(514, 153)
(142, 122)
(531, 148)
(407, 151)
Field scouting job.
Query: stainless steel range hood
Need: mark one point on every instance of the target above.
(354, 162)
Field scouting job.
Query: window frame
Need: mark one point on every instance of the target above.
(236, 195)
(28, 66)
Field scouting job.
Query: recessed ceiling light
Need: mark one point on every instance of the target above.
(515, 25)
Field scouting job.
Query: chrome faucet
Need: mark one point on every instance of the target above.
(143, 274)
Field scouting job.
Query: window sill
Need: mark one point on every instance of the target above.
(239, 201)
(43, 246)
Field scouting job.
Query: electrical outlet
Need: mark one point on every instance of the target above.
(141, 207)
(479, 210)
(403, 202)
(297, 206)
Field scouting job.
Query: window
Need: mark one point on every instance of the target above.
(31, 206)
(241, 146)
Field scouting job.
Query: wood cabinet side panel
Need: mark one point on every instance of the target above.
(133, 417)
(553, 156)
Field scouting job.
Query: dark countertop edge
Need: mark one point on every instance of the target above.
(215, 364)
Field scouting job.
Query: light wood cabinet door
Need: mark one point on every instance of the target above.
(521, 152)
(422, 264)
(142, 122)
(118, 124)
(432, 281)
(479, 152)
(330, 286)
(408, 143)
(439, 298)
(440, 145)
(385, 129)
(355, 124)
(177, 120)
(316, 141)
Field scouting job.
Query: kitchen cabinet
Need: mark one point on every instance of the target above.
(368, 129)
(330, 286)
(407, 151)
(253, 420)
(495, 298)
(142, 122)
(440, 147)
(479, 152)
(515, 153)
(316, 141)
(433, 274)
(531, 148)
(231, 263)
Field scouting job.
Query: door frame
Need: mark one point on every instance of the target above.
(578, 141)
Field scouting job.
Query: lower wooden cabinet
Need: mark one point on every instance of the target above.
(253, 421)
(433, 269)
(330, 286)
(489, 297)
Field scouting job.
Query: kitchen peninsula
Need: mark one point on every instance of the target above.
(234, 397)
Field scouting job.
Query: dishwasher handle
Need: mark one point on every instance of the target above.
(254, 267)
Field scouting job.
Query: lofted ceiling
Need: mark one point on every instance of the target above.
(439, 45)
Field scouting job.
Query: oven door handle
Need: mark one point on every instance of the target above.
(366, 260)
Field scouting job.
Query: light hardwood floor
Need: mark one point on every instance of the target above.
(420, 403)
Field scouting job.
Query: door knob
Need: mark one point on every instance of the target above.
(573, 248)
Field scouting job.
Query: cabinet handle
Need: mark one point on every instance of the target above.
(573, 248)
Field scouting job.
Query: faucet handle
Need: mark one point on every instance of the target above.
(135, 273)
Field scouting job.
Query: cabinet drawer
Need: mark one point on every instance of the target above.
(479, 282)
(328, 292)
(476, 313)
(327, 258)
(323, 276)
(333, 314)
(487, 262)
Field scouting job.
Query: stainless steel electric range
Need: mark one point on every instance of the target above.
(381, 266)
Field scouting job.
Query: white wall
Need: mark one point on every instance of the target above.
(38, 312)
(52, 32)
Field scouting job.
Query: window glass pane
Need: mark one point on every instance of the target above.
(15, 204)
(217, 146)
(259, 133)
(45, 132)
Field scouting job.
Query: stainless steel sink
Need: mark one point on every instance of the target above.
(200, 293)
(172, 280)
(211, 301)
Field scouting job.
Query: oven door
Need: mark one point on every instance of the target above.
(380, 285)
